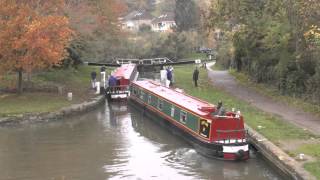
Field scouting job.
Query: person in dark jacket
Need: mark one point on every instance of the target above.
(196, 76)
(169, 76)
(112, 83)
(220, 109)
(103, 69)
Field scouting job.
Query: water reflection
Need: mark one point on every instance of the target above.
(112, 142)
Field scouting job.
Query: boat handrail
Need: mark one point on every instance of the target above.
(120, 89)
(223, 117)
(230, 131)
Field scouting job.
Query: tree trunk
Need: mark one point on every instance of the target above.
(20, 81)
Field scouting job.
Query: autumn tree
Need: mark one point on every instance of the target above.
(98, 29)
(33, 35)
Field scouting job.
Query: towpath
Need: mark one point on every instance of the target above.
(223, 80)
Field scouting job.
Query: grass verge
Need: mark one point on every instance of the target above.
(194, 55)
(272, 92)
(313, 168)
(76, 81)
(13, 104)
(269, 125)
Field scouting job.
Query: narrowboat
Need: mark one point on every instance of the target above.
(221, 136)
(123, 76)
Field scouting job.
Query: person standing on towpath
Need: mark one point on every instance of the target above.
(196, 76)
(169, 76)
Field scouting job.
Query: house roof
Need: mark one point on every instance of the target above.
(138, 15)
(130, 15)
(163, 17)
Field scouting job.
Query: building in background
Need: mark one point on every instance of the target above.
(163, 23)
(134, 20)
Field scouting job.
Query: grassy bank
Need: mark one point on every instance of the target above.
(72, 80)
(312, 149)
(194, 55)
(269, 125)
(272, 127)
(272, 92)
(14, 105)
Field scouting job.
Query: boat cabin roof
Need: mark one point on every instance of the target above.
(125, 71)
(179, 98)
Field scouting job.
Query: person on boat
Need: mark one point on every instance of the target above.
(196, 76)
(93, 79)
(220, 109)
(112, 83)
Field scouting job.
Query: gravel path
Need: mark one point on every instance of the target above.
(223, 80)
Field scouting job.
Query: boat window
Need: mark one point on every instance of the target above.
(172, 111)
(141, 94)
(204, 129)
(183, 117)
(149, 99)
(134, 90)
(160, 104)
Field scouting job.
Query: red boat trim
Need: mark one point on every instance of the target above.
(198, 136)
(233, 156)
(125, 71)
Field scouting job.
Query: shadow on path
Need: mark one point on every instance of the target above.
(223, 80)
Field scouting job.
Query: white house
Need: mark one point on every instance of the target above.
(163, 23)
(135, 19)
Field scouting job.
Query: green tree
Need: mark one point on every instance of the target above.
(273, 41)
(186, 15)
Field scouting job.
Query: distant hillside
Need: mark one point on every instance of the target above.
(141, 4)
(164, 6)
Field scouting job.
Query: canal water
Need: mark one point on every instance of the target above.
(112, 142)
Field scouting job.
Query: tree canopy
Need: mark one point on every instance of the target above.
(98, 29)
(186, 15)
(33, 35)
(273, 41)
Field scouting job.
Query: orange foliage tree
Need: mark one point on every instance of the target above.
(33, 35)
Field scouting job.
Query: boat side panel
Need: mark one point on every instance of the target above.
(192, 122)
